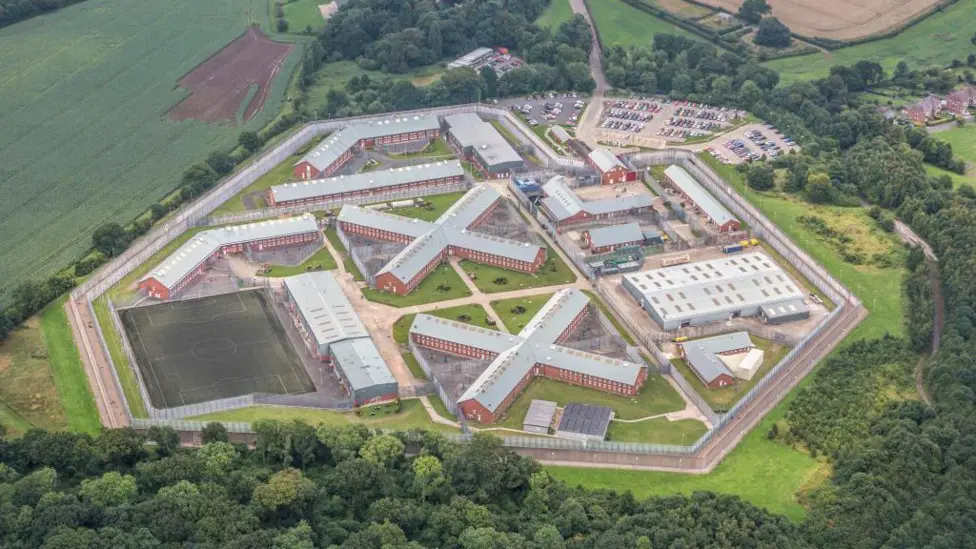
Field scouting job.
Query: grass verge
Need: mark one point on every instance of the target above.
(442, 284)
(321, 260)
(515, 321)
(683, 432)
(552, 273)
(69, 374)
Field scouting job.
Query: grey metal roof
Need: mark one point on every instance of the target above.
(358, 215)
(702, 354)
(368, 181)
(325, 307)
(469, 207)
(417, 255)
(697, 194)
(651, 234)
(361, 363)
(605, 160)
(560, 132)
(585, 419)
(340, 141)
(615, 234)
(470, 131)
(563, 203)
(462, 332)
(786, 308)
(535, 344)
(469, 58)
(195, 251)
(540, 413)
(720, 285)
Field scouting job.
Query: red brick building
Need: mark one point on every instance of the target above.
(565, 208)
(923, 111)
(959, 101)
(536, 352)
(693, 195)
(429, 244)
(612, 170)
(336, 149)
(191, 259)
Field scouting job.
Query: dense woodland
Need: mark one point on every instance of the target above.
(12, 11)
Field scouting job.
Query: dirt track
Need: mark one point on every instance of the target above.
(220, 84)
(838, 19)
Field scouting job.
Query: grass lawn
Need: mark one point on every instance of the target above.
(656, 397)
(302, 14)
(936, 40)
(470, 169)
(414, 366)
(555, 14)
(723, 399)
(69, 374)
(683, 432)
(437, 148)
(337, 74)
(412, 415)
(957, 179)
(321, 260)
(505, 133)
(516, 321)
(879, 288)
(477, 314)
(620, 23)
(427, 291)
(278, 175)
(439, 406)
(439, 202)
(554, 271)
(963, 141)
(347, 262)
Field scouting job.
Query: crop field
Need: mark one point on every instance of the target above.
(936, 40)
(84, 93)
(555, 14)
(622, 24)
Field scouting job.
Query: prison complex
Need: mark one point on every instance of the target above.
(190, 260)
(718, 361)
(336, 149)
(366, 186)
(716, 290)
(480, 143)
(536, 351)
(608, 239)
(428, 244)
(334, 334)
(676, 178)
(612, 170)
(564, 207)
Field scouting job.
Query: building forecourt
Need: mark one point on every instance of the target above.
(536, 351)
(430, 243)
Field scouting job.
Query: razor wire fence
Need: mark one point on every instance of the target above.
(351, 251)
(449, 403)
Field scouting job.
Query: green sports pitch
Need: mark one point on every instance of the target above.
(213, 347)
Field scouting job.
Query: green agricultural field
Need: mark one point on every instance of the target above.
(553, 272)
(412, 415)
(477, 314)
(936, 40)
(516, 321)
(302, 14)
(442, 284)
(555, 14)
(83, 96)
(683, 432)
(620, 23)
(957, 179)
(321, 260)
(963, 141)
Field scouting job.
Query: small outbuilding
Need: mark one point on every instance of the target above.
(788, 311)
(584, 422)
(538, 419)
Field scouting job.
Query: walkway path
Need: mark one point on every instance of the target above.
(97, 366)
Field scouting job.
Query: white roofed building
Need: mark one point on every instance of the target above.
(679, 180)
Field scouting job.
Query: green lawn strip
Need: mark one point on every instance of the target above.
(414, 366)
(613, 320)
(302, 14)
(282, 173)
(321, 260)
(934, 41)
(553, 272)
(620, 23)
(347, 261)
(878, 288)
(412, 415)
(439, 203)
(963, 141)
(436, 149)
(723, 399)
(555, 14)
(124, 369)
(957, 179)
(683, 432)
(505, 133)
(516, 321)
(472, 171)
(478, 317)
(427, 291)
(68, 371)
(656, 397)
(438, 405)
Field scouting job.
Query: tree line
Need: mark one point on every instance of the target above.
(13, 11)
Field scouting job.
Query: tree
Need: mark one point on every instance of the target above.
(214, 432)
(761, 177)
(548, 537)
(382, 450)
(220, 162)
(427, 471)
(110, 239)
(752, 11)
(109, 490)
(166, 438)
(250, 141)
(749, 95)
(285, 488)
(297, 537)
(435, 42)
(218, 458)
(773, 34)
(281, 25)
(490, 78)
(818, 189)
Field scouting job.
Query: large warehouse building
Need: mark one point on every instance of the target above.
(535, 351)
(714, 290)
(480, 143)
(676, 178)
(334, 334)
(364, 185)
(564, 207)
(336, 149)
(191, 259)
(428, 244)
(612, 170)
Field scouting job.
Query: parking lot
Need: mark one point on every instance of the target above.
(563, 109)
(751, 143)
(655, 122)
